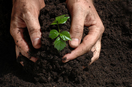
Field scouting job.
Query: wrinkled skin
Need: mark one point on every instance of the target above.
(25, 14)
(83, 13)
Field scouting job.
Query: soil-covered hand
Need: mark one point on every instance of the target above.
(83, 13)
(25, 15)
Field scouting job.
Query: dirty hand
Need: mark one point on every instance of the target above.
(25, 14)
(83, 13)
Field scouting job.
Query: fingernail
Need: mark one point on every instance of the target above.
(90, 63)
(65, 60)
(22, 63)
(36, 42)
(33, 59)
(74, 42)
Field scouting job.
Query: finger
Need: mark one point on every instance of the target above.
(17, 51)
(33, 59)
(21, 44)
(77, 25)
(17, 54)
(88, 42)
(16, 30)
(33, 26)
(96, 51)
(22, 63)
(42, 4)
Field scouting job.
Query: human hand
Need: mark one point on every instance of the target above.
(83, 13)
(25, 13)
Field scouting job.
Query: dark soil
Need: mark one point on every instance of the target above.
(113, 68)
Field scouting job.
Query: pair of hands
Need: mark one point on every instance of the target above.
(25, 13)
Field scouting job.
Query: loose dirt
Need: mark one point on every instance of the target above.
(112, 69)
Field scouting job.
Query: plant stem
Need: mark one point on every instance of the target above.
(58, 27)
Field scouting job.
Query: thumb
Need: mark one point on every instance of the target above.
(33, 26)
(77, 26)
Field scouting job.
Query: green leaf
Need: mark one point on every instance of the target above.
(65, 35)
(53, 34)
(60, 20)
(63, 20)
(54, 22)
(59, 44)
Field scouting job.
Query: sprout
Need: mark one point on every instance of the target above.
(61, 37)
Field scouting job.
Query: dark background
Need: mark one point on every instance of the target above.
(114, 66)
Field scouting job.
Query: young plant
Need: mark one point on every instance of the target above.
(61, 37)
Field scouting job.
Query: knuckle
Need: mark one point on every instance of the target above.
(26, 9)
(25, 14)
(102, 28)
(99, 29)
(77, 30)
(12, 29)
(34, 30)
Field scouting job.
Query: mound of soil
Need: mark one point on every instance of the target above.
(113, 68)
(49, 67)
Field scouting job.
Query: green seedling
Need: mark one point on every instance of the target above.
(61, 37)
